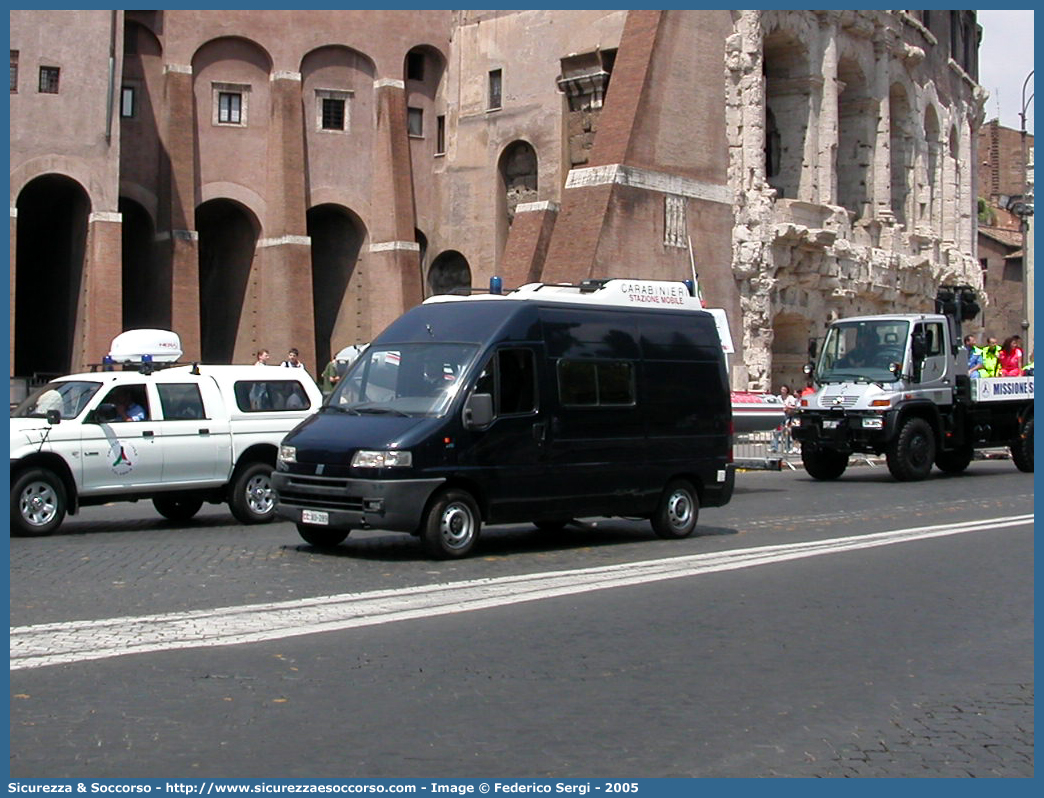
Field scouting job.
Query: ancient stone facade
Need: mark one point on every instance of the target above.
(299, 178)
(852, 141)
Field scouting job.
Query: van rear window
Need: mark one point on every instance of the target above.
(589, 383)
(260, 396)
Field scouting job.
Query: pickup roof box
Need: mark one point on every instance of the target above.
(541, 405)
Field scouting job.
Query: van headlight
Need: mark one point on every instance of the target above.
(392, 458)
(287, 454)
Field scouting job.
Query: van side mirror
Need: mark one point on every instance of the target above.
(478, 411)
(813, 347)
(54, 417)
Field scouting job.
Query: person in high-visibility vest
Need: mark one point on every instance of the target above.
(990, 359)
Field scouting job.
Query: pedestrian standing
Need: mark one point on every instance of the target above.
(293, 359)
(262, 357)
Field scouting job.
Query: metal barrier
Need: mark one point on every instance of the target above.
(753, 451)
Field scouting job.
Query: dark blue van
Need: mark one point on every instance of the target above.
(540, 407)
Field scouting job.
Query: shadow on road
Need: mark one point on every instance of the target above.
(504, 541)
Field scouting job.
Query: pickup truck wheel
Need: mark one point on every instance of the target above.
(322, 537)
(451, 525)
(954, 462)
(177, 508)
(37, 503)
(1022, 448)
(251, 498)
(912, 452)
(823, 463)
(678, 511)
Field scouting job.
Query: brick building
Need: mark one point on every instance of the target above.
(1003, 157)
(299, 178)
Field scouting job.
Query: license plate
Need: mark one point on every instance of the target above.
(315, 517)
(830, 423)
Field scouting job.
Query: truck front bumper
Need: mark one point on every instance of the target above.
(851, 432)
(392, 504)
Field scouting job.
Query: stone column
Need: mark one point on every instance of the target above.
(177, 202)
(526, 250)
(828, 112)
(99, 311)
(393, 278)
(881, 184)
(282, 268)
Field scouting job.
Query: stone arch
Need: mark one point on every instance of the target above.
(901, 150)
(517, 169)
(236, 149)
(228, 238)
(450, 273)
(146, 273)
(51, 236)
(857, 111)
(344, 77)
(338, 284)
(790, 334)
(929, 204)
(788, 87)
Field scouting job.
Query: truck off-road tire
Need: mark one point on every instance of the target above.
(177, 508)
(322, 537)
(955, 461)
(451, 525)
(38, 503)
(678, 511)
(251, 498)
(912, 452)
(823, 463)
(1022, 448)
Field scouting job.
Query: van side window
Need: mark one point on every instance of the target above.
(181, 401)
(586, 383)
(510, 377)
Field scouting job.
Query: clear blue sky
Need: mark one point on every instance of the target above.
(1005, 59)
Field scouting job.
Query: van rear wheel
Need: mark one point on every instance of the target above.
(678, 511)
(451, 525)
(322, 537)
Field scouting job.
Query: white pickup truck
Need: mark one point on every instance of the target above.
(179, 436)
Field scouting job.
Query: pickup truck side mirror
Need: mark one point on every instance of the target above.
(478, 411)
(54, 417)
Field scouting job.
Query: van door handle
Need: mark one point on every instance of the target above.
(147, 433)
(204, 431)
(540, 431)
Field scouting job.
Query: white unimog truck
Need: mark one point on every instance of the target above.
(898, 385)
(178, 435)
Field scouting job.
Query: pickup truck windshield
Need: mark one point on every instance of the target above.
(403, 379)
(863, 351)
(68, 398)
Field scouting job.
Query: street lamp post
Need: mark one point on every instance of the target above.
(1025, 213)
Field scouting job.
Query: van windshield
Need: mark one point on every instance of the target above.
(863, 351)
(68, 398)
(403, 379)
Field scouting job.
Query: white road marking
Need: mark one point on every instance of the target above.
(79, 641)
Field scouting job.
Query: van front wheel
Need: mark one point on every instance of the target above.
(451, 525)
(678, 511)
